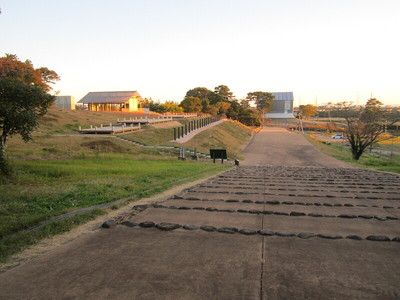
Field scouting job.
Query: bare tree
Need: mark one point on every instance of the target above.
(364, 130)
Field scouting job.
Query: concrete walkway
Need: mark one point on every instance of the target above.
(193, 133)
(274, 146)
(310, 230)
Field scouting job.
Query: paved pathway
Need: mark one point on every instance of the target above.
(261, 231)
(193, 133)
(279, 147)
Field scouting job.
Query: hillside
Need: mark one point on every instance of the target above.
(67, 121)
(57, 137)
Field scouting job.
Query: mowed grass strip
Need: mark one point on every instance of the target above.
(44, 189)
(366, 161)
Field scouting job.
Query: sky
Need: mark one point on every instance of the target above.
(322, 50)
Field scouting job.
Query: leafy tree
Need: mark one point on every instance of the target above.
(221, 101)
(308, 111)
(152, 105)
(204, 95)
(156, 106)
(243, 113)
(191, 104)
(263, 101)
(24, 98)
(205, 106)
(224, 92)
(245, 103)
(364, 130)
(223, 107)
(250, 117)
(199, 92)
(172, 107)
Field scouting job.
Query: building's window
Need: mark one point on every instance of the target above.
(288, 108)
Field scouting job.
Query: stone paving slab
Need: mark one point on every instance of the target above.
(294, 198)
(342, 227)
(200, 218)
(319, 208)
(339, 226)
(344, 194)
(330, 269)
(278, 249)
(130, 263)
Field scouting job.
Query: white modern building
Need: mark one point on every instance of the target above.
(282, 106)
(65, 102)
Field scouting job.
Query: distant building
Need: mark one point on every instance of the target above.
(65, 102)
(113, 101)
(282, 106)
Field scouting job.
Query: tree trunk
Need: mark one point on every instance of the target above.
(356, 155)
(5, 167)
(3, 141)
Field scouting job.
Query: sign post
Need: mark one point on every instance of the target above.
(218, 154)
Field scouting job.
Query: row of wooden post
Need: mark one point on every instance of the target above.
(180, 132)
(146, 118)
(124, 125)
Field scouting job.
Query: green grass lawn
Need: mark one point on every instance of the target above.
(366, 161)
(45, 188)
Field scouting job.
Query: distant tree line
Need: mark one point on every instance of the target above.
(219, 101)
(156, 106)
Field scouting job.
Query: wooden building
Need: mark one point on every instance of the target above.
(127, 101)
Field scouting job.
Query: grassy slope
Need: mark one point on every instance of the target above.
(46, 188)
(67, 121)
(366, 161)
(56, 174)
(227, 135)
(52, 187)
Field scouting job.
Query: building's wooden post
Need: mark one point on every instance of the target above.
(174, 134)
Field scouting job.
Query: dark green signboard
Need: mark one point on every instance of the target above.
(218, 154)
